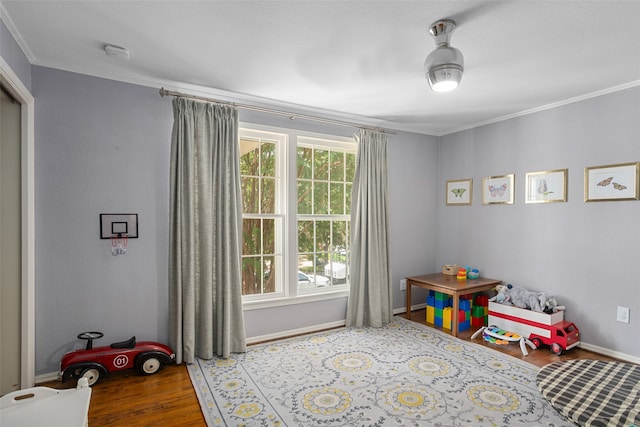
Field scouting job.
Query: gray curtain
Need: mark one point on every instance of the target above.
(370, 296)
(205, 293)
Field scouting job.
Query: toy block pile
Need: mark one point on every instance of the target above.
(470, 312)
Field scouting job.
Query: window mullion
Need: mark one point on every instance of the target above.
(291, 249)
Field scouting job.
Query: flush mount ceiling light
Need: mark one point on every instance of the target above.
(444, 66)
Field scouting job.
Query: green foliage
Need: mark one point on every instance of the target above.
(323, 190)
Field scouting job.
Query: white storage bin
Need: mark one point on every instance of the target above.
(44, 406)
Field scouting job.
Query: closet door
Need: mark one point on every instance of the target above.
(10, 244)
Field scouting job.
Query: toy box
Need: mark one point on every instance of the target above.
(520, 320)
(539, 328)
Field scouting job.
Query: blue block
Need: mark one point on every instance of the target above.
(438, 322)
(465, 305)
(431, 301)
(440, 304)
(464, 326)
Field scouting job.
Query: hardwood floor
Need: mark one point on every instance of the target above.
(539, 357)
(128, 399)
(168, 399)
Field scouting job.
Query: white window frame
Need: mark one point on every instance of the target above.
(330, 143)
(290, 294)
(280, 205)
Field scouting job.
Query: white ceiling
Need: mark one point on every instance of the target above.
(359, 61)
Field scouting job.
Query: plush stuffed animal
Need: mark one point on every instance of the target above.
(551, 304)
(536, 301)
(502, 295)
(520, 297)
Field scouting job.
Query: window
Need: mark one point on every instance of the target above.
(262, 212)
(296, 193)
(324, 178)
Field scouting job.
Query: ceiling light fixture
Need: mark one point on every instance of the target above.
(444, 66)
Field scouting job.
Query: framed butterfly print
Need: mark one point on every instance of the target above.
(459, 192)
(498, 189)
(546, 186)
(612, 182)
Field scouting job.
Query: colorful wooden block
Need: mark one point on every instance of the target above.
(431, 314)
(446, 317)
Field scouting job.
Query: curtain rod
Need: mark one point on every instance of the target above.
(164, 92)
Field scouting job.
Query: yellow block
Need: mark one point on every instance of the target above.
(431, 314)
(446, 317)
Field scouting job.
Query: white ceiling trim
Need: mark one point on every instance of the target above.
(16, 34)
(547, 107)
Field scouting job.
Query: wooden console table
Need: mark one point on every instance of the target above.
(449, 285)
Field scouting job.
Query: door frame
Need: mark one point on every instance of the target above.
(27, 337)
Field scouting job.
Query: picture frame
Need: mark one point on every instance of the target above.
(546, 186)
(498, 190)
(459, 192)
(612, 182)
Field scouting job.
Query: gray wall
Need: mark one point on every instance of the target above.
(100, 147)
(103, 147)
(586, 254)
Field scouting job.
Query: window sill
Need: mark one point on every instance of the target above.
(300, 299)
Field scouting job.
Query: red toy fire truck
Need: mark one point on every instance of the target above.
(541, 328)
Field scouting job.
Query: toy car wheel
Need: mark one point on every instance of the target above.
(536, 342)
(556, 348)
(149, 364)
(92, 375)
(77, 372)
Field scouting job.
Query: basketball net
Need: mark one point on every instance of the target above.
(119, 244)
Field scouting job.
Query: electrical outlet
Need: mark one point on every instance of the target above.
(403, 284)
(622, 314)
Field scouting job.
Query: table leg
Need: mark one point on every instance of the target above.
(454, 315)
(408, 292)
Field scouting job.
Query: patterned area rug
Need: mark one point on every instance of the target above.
(404, 374)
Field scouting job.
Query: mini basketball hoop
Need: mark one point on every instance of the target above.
(119, 228)
(119, 244)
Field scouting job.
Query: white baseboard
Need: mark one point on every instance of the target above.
(610, 353)
(43, 378)
(316, 328)
(293, 332)
(413, 307)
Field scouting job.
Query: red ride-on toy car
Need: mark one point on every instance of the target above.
(147, 357)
